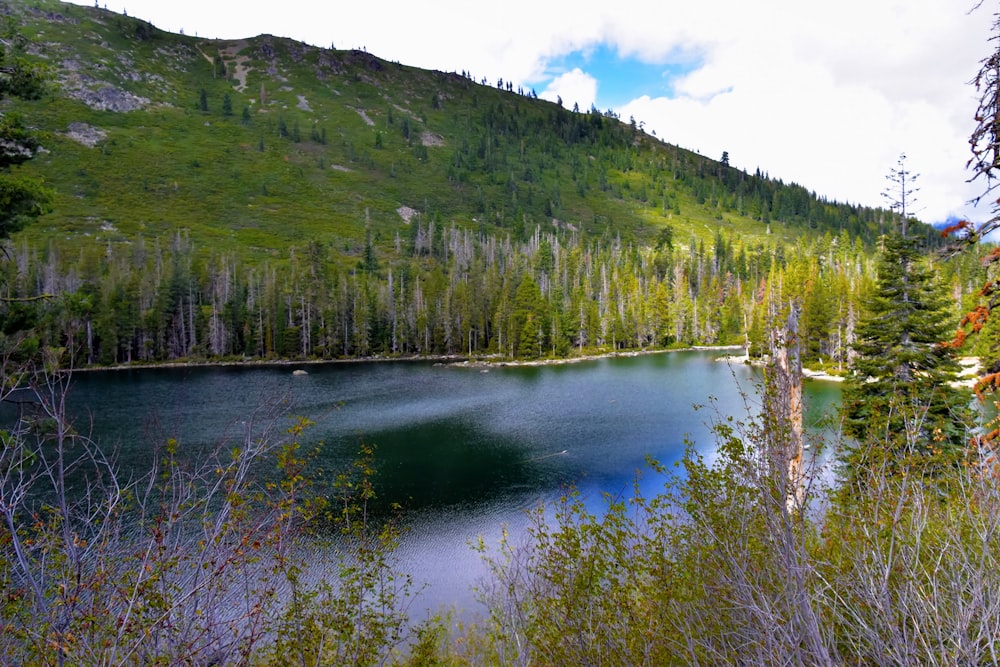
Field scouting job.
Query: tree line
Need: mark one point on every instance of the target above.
(443, 291)
(743, 559)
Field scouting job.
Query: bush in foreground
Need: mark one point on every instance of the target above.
(203, 560)
(721, 569)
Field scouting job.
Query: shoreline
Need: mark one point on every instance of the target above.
(452, 360)
(967, 377)
(486, 363)
(807, 373)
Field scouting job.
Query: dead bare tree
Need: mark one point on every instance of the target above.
(783, 407)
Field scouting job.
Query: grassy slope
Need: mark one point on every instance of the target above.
(474, 155)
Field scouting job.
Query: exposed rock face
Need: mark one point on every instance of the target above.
(407, 213)
(109, 98)
(98, 94)
(431, 139)
(51, 17)
(328, 63)
(365, 117)
(266, 49)
(88, 135)
(364, 58)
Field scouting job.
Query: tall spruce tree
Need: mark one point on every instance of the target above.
(897, 400)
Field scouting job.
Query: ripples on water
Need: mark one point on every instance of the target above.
(464, 450)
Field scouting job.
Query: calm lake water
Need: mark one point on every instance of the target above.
(464, 450)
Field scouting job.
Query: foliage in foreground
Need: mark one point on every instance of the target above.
(204, 563)
(719, 570)
(200, 561)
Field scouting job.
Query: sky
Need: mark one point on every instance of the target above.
(826, 95)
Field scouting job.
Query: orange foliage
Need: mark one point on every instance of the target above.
(958, 340)
(989, 382)
(991, 257)
(958, 226)
(976, 318)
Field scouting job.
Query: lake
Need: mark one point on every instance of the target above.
(465, 450)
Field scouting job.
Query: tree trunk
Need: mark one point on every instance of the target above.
(786, 407)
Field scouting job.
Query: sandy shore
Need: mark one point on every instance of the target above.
(486, 362)
(967, 377)
(807, 373)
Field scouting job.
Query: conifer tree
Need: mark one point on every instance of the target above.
(21, 198)
(528, 319)
(897, 392)
(370, 261)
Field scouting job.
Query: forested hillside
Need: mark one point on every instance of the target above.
(263, 198)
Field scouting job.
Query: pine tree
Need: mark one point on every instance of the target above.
(528, 325)
(21, 198)
(897, 393)
(219, 67)
(369, 262)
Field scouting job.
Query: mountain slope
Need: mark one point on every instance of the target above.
(262, 144)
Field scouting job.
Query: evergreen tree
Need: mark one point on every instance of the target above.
(370, 261)
(528, 325)
(203, 100)
(897, 392)
(227, 105)
(219, 67)
(21, 198)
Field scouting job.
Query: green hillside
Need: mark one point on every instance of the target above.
(261, 144)
(262, 199)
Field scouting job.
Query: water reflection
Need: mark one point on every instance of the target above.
(448, 462)
(463, 451)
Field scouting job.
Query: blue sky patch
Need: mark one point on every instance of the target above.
(621, 79)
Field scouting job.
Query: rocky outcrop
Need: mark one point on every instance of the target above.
(109, 98)
(88, 135)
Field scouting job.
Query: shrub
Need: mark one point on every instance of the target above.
(203, 560)
(720, 568)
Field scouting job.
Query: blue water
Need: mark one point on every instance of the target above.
(464, 450)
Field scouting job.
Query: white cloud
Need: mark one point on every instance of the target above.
(830, 102)
(573, 87)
